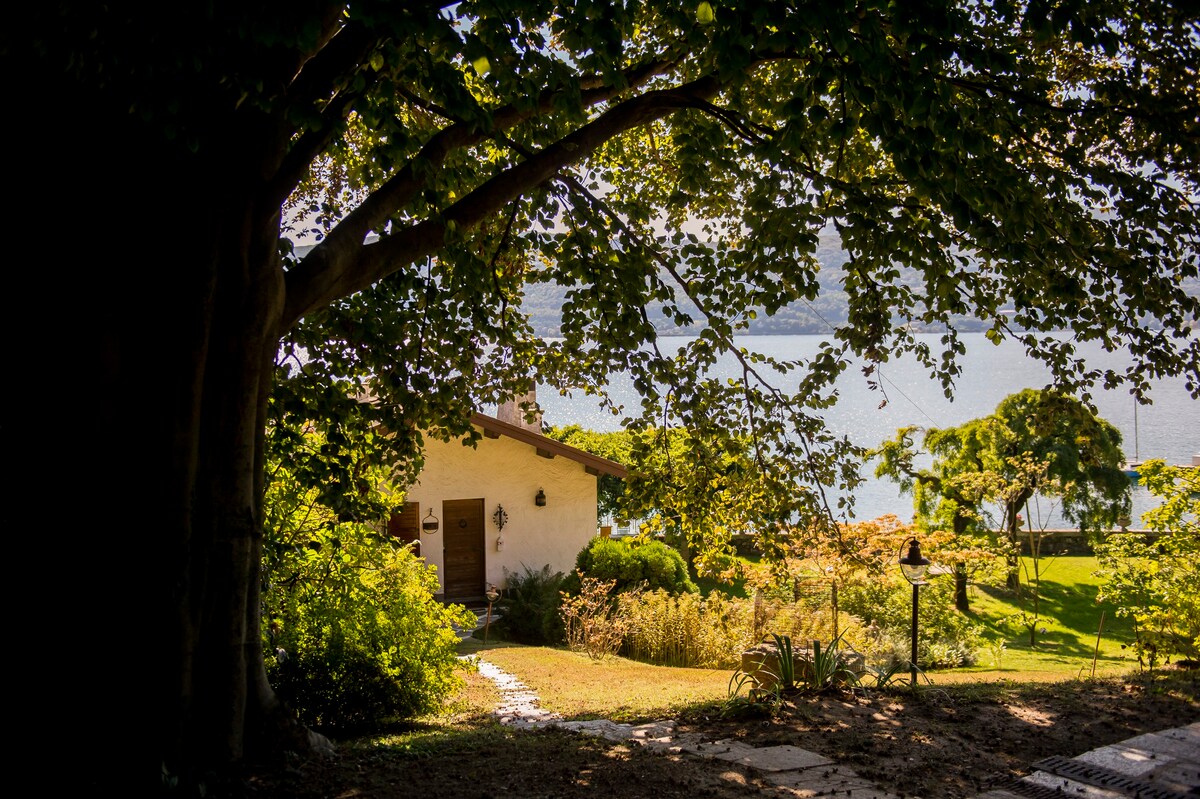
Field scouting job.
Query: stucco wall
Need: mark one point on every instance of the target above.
(503, 471)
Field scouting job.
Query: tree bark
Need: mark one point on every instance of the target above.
(961, 601)
(172, 294)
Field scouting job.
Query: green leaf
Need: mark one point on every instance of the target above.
(704, 14)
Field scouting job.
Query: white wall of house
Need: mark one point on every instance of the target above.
(504, 471)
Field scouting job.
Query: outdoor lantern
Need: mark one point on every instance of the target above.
(430, 525)
(914, 566)
(492, 595)
(540, 499)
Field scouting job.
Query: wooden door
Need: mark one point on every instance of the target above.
(463, 557)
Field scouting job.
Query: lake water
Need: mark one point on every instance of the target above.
(1169, 428)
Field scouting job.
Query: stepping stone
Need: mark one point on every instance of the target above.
(1159, 744)
(653, 731)
(778, 758)
(725, 750)
(1134, 762)
(825, 782)
(601, 728)
(1070, 788)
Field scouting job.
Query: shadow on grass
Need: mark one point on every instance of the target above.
(1067, 622)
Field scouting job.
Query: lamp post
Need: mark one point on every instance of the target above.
(492, 595)
(913, 566)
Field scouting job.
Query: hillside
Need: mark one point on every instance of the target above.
(543, 302)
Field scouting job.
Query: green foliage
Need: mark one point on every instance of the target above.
(1082, 453)
(634, 563)
(352, 633)
(786, 661)
(948, 638)
(1036, 443)
(616, 446)
(782, 670)
(746, 701)
(828, 668)
(530, 606)
(1155, 578)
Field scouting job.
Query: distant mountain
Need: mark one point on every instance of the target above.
(544, 302)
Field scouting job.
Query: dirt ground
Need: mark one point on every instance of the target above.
(935, 743)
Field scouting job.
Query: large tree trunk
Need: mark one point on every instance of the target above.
(172, 297)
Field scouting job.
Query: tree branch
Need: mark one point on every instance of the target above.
(342, 265)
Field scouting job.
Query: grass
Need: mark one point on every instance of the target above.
(1068, 623)
(577, 687)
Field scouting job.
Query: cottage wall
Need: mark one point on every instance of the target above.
(506, 472)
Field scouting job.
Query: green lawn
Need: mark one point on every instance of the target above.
(1070, 617)
(574, 685)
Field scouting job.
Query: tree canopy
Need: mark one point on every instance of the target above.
(1031, 164)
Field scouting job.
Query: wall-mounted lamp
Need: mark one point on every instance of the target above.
(430, 524)
(500, 517)
(540, 499)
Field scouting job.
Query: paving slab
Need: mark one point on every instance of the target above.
(1125, 759)
(726, 750)
(1189, 733)
(1160, 744)
(1071, 788)
(1179, 776)
(777, 758)
(833, 781)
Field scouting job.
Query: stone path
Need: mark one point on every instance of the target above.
(1164, 765)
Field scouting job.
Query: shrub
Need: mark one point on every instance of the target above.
(1155, 580)
(354, 636)
(713, 631)
(631, 563)
(948, 638)
(588, 617)
(530, 607)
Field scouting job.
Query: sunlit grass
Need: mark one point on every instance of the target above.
(577, 687)
(1068, 622)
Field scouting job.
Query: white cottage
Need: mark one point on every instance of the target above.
(518, 499)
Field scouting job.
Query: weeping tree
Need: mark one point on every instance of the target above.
(950, 494)
(1037, 442)
(1031, 165)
